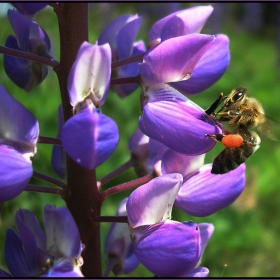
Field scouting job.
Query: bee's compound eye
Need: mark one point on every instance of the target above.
(238, 96)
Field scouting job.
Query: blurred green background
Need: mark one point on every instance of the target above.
(246, 240)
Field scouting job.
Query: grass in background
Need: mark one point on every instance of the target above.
(246, 236)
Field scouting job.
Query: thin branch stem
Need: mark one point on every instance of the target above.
(49, 179)
(128, 185)
(34, 188)
(128, 60)
(118, 171)
(111, 219)
(125, 81)
(36, 58)
(49, 140)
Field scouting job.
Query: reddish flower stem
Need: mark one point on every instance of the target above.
(128, 60)
(34, 188)
(129, 185)
(49, 179)
(118, 171)
(29, 56)
(111, 219)
(49, 140)
(125, 81)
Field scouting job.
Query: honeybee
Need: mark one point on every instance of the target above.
(242, 114)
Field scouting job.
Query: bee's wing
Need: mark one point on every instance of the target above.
(270, 129)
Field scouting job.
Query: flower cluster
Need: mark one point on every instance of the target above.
(169, 146)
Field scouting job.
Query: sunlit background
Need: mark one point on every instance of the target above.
(246, 240)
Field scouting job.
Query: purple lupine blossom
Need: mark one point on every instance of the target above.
(31, 38)
(19, 131)
(118, 246)
(172, 119)
(121, 34)
(165, 247)
(90, 137)
(210, 67)
(31, 253)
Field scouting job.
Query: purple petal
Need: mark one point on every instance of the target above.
(90, 138)
(170, 248)
(192, 20)
(29, 219)
(174, 59)
(173, 162)
(206, 231)
(21, 27)
(18, 69)
(209, 69)
(16, 259)
(126, 37)
(110, 33)
(63, 237)
(152, 202)
(15, 173)
(64, 268)
(205, 193)
(90, 74)
(198, 272)
(172, 119)
(4, 274)
(39, 40)
(17, 124)
(29, 9)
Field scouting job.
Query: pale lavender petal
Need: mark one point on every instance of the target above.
(205, 193)
(206, 231)
(209, 69)
(170, 248)
(15, 173)
(90, 74)
(152, 202)
(177, 122)
(174, 59)
(90, 138)
(193, 19)
(198, 272)
(63, 237)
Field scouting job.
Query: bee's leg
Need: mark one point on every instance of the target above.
(216, 137)
(214, 106)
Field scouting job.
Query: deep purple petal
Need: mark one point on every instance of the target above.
(30, 220)
(90, 138)
(174, 59)
(16, 259)
(18, 69)
(21, 27)
(152, 202)
(205, 193)
(39, 39)
(15, 173)
(110, 33)
(4, 274)
(29, 9)
(174, 162)
(17, 124)
(64, 268)
(63, 237)
(192, 19)
(126, 37)
(209, 69)
(170, 248)
(177, 122)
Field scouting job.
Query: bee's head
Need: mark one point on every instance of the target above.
(237, 95)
